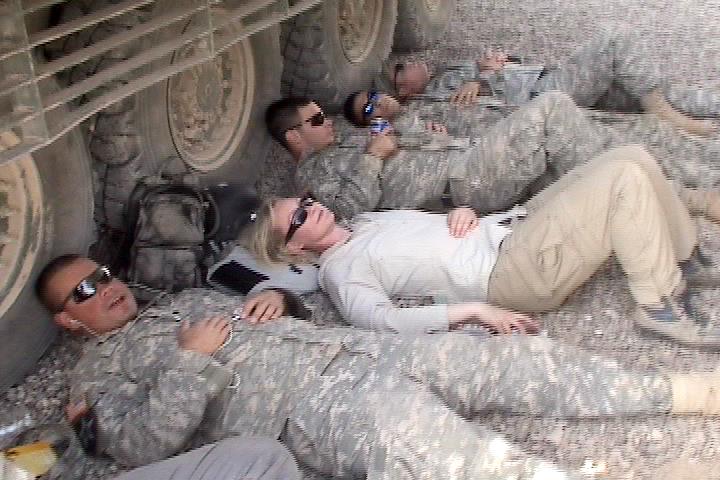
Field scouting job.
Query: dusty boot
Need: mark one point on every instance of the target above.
(655, 102)
(688, 469)
(673, 320)
(700, 270)
(700, 201)
(696, 393)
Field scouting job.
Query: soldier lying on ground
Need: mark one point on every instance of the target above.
(350, 403)
(619, 203)
(512, 160)
(613, 71)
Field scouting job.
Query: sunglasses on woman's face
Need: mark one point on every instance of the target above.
(371, 104)
(88, 287)
(299, 216)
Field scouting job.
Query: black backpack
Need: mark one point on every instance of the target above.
(166, 226)
(175, 230)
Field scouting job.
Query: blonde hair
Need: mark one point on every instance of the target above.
(263, 241)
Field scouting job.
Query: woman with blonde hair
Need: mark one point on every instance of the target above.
(485, 270)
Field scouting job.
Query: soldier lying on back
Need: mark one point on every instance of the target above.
(347, 402)
(613, 71)
(508, 162)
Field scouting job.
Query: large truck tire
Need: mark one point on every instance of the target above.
(421, 22)
(46, 210)
(211, 116)
(335, 49)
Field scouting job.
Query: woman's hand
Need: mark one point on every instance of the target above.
(461, 220)
(496, 319)
(266, 305)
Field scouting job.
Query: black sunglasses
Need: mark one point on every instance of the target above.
(88, 287)
(371, 103)
(316, 120)
(299, 216)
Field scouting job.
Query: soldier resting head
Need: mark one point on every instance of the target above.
(300, 126)
(410, 78)
(361, 107)
(85, 297)
(370, 405)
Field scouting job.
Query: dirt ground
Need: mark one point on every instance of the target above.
(686, 39)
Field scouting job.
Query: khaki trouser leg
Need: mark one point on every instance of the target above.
(618, 203)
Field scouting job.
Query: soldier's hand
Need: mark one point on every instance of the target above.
(264, 306)
(204, 337)
(504, 321)
(8, 139)
(75, 410)
(382, 146)
(466, 94)
(492, 61)
(433, 127)
(461, 220)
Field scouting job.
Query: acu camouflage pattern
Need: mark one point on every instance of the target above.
(611, 71)
(514, 156)
(510, 158)
(347, 402)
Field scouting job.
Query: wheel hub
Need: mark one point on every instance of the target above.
(209, 106)
(20, 220)
(359, 22)
(433, 5)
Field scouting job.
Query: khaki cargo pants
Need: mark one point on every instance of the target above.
(619, 202)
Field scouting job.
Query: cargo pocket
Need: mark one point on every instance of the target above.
(544, 263)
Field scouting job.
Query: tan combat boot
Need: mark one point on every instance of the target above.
(701, 201)
(696, 393)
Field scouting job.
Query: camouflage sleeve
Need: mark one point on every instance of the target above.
(140, 424)
(349, 184)
(452, 77)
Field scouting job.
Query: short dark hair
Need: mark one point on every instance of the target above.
(351, 115)
(283, 115)
(50, 270)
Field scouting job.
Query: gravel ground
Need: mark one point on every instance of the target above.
(686, 42)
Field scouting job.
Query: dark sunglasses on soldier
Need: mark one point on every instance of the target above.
(88, 287)
(316, 120)
(371, 103)
(299, 216)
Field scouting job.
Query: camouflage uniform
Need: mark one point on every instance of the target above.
(612, 71)
(347, 402)
(510, 158)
